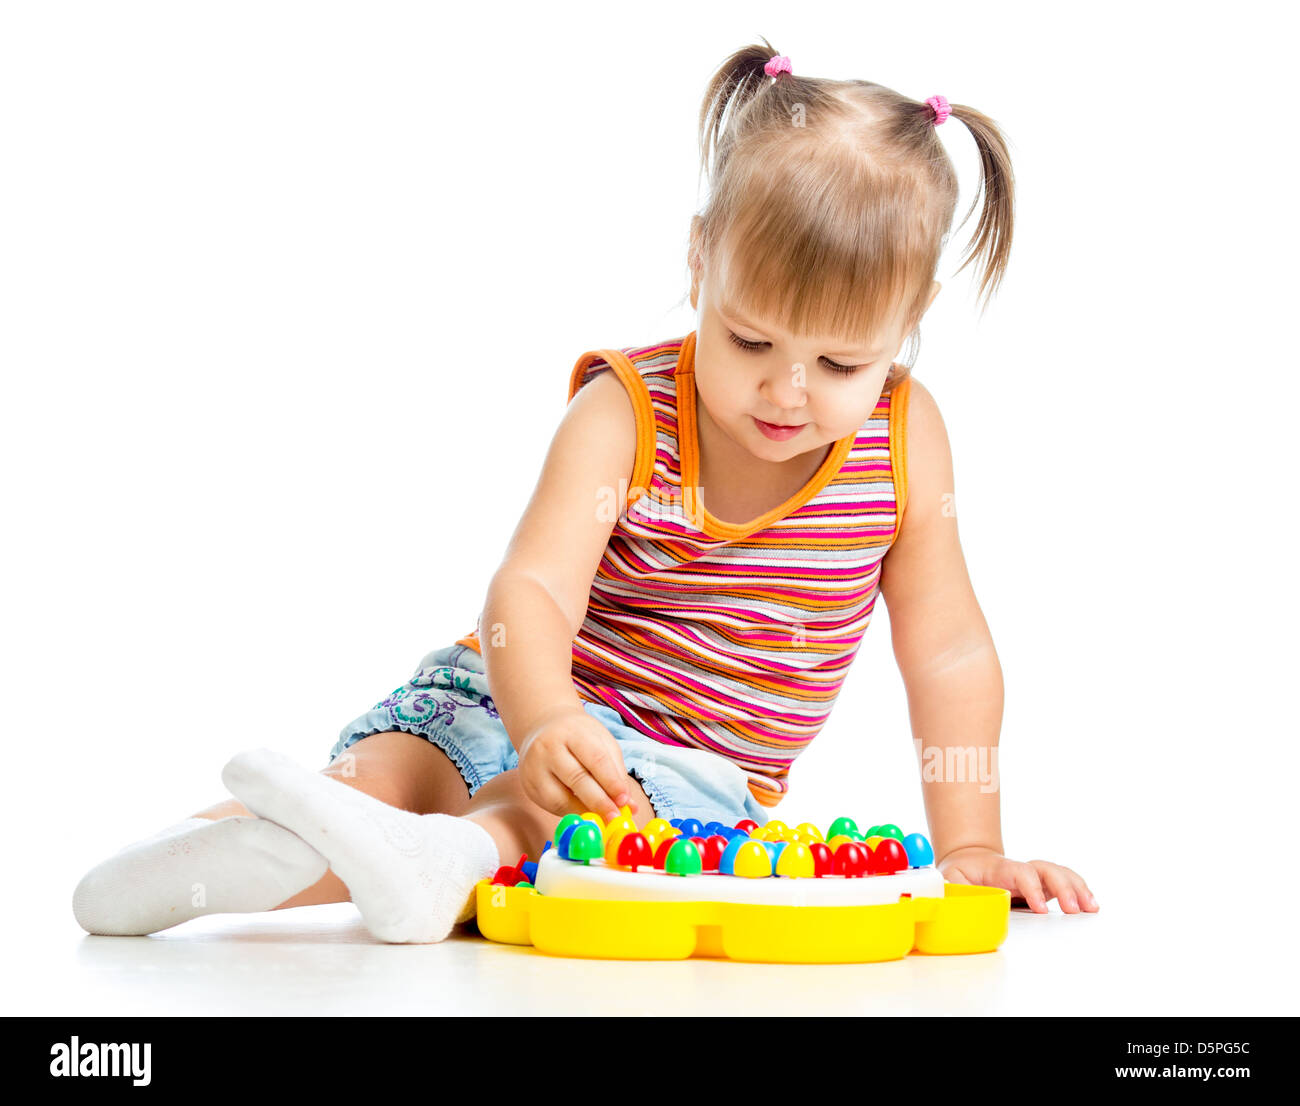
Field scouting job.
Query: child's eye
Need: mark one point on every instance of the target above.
(834, 366)
(847, 370)
(741, 342)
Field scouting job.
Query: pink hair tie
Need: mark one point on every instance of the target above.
(779, 63)
(941, 108)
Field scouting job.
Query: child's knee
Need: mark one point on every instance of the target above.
(370, 766)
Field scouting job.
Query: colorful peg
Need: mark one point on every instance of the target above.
(842, 826)
(887, 858)
(585, 842)
(918, 849)
(822, 858)
(661, 851)
(726, 862)
(612, 842)
(562, 842)
(850, 860)
(624, 823)
(565, 822)
(796, 861)
(634, 852)
(683, 858)
(669, 833)
(509, 875)
(656, 826)
(752, 860)
(711, 853)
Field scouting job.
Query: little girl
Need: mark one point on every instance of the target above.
(681, 601)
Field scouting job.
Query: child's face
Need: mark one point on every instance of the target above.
(789, 379)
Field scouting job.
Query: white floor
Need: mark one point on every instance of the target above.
(1214, 958)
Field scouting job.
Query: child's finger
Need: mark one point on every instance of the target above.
(1058, 885)
(1031, 888)
(1087, 900)
(573, 774)
(599, 754)
(551, 795)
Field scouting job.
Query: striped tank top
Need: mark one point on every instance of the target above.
(733, 638)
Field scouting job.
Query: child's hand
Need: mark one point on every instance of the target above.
(571, 763)
(1033, 883)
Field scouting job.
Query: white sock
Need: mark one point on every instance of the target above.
(412, 876)
(228, 865)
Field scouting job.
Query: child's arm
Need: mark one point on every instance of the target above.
(954, 680)
(537, 601)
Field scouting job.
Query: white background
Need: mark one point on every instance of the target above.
(289, 296)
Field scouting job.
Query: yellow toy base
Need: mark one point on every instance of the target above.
(968, 919)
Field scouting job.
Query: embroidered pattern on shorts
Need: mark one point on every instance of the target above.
(434, 695)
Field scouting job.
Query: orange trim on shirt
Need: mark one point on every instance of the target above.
(642, 408)
(898, 401)
(688, 440)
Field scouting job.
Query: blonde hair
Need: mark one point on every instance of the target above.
(832, 200)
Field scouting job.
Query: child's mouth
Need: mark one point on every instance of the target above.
(777, 433)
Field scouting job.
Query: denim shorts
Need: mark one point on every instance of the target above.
(447, 702)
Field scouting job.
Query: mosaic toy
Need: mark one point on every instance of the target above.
(672, 890)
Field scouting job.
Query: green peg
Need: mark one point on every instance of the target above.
(586, 843)
(842, 827)
(683, 859)
(565, 823)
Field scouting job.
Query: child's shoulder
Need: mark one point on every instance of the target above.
(631, 364)
(926, 459)
(926, 432)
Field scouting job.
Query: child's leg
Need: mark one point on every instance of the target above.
(225, 859)
(411, 876)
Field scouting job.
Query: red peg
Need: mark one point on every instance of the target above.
(851, 859)
(748, 825)
(634, 852)
(711, 852)
(823, 858)
(508, 876)
(887, 858)
(661, 853)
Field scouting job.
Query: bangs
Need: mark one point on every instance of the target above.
(827, 247)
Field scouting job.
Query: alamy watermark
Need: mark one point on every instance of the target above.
(959, 764)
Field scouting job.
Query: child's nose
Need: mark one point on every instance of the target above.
(784, 389)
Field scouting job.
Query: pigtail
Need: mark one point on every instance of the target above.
(737, 81)
(992, 238)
